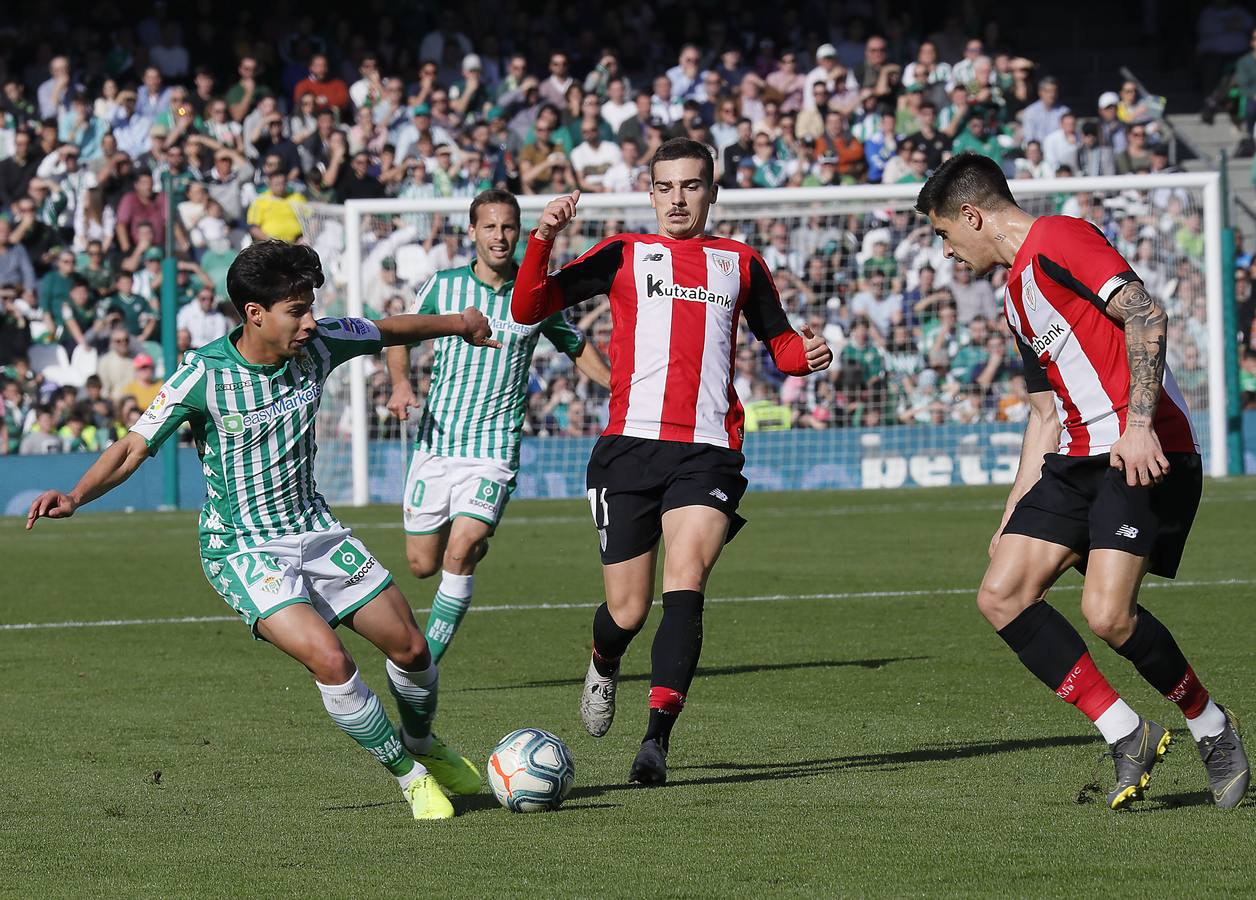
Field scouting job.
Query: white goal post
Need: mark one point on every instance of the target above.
(1202, 190)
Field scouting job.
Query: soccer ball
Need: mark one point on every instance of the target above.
(531, 770)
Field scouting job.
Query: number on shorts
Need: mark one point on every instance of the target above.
(416, 495)
(597, 499)
(258, 565)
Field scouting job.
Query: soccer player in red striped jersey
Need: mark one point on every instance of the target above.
(1110, 474)
(669, 462)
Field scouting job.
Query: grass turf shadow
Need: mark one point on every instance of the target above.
(712, 672)
(740, 773)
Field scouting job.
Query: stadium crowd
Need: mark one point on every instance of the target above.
(229, 138)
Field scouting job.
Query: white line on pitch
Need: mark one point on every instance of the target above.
(524, 607)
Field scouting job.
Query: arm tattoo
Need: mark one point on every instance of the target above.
(1146, 324)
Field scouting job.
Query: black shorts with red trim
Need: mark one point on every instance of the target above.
(633, 481)
(1083, 503)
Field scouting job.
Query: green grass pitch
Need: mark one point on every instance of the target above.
(855, 727)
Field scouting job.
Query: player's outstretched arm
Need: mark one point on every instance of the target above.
(470, 325)
(113, 467)
(538, 294)
(1137, 452)
(793, 353)
(1042, 436)
(403, 398)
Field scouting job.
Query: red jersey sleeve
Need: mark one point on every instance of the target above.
(1077, 256)
(767, 320)
(539, 293)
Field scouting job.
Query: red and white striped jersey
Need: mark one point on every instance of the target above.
(675, 305)
(1055, 303)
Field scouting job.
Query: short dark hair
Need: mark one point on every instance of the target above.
(494, 195)
(684, 148)
(269, 271)
(966, 178)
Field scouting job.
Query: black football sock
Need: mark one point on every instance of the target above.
(674, 659)
(1157, 657)
(609, 641)
(1046, 642)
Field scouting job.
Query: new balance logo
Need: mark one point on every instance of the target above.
(652, 257)
(719, 495)
(1127, 531)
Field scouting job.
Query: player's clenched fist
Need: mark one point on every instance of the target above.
(556, 215)
(477, 330)
(818, 353)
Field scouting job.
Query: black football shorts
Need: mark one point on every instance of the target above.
(1083, 503)
(633, 481)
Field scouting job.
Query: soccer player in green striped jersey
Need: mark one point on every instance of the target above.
(466, 453)
(269, 544)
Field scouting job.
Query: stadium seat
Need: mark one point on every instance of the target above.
(45, 356)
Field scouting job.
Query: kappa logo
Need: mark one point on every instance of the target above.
(1127, 531)
(215, 542)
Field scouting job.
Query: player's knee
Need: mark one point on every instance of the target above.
(330, 664)
(1113, 626)
(461, 556)
(422, 566)
(413, 655)
(1001, 600)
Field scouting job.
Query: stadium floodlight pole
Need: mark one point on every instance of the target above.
(358, 445)
(169, 337)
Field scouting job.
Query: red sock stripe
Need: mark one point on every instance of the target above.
(667, 700)
(609, 660)
(1087, 689)
(1189, 695)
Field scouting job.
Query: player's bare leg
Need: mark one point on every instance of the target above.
(1110, 604)
(1012, 598)
(693, 537)
(454, 551)
(629, 594)
(388, 623)
(301, 632)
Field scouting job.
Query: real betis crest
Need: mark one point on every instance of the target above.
(304, 363)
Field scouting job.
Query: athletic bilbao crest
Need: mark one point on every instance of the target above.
(725, 264)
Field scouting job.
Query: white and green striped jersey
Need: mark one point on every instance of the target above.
(254, 432)
(479, 395)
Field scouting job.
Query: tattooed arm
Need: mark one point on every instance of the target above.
(1137, 453)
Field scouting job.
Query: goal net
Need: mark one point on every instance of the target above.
(925, 387)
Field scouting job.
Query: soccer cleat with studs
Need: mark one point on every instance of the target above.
(650, 766)
(1135, 755)
(597, 701)
(454, 773)
(1225, 760)
(427, 801)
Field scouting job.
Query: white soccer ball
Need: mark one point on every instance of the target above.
(531, 770)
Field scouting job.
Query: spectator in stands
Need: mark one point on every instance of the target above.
(141, 205)
(554, 88)
(975, 138)
(42, 438)
(15, 263)
(1136, 157)
(1092, 157)
(54, 287)
(1061, 146)
(15, 331)
(144, 386)
(202, 319)
(1043, 116)
(539, 160)
(276, 213)
(329, 92)
(788, 82)
(593, 158)
(1111, 128)
(935, 145)
(18, 169)
(683, 78)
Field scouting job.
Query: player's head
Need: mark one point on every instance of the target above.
(959, 199)
(495, 228)
(682, 187)
(271, 284)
